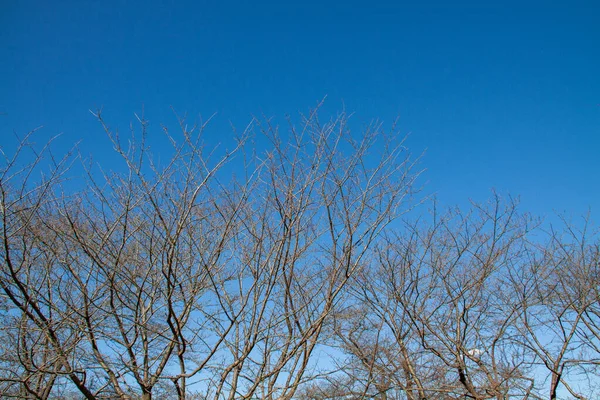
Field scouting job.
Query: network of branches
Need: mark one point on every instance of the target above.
(310, 269)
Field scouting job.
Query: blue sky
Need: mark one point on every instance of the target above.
(502, 95)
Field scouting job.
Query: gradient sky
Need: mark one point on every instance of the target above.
(502, 95)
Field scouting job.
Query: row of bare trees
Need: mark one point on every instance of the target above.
(481, 304)
(289, 272)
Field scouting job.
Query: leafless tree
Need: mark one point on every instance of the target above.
(182, 279)
(559, 299)
(480, 304)
(438, 319)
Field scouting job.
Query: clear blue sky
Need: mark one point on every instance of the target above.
(502, 95)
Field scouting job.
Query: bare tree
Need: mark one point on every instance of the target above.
(438, 321)
(164, 280)
(39, 343)
(559, 319)
(480, 304)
